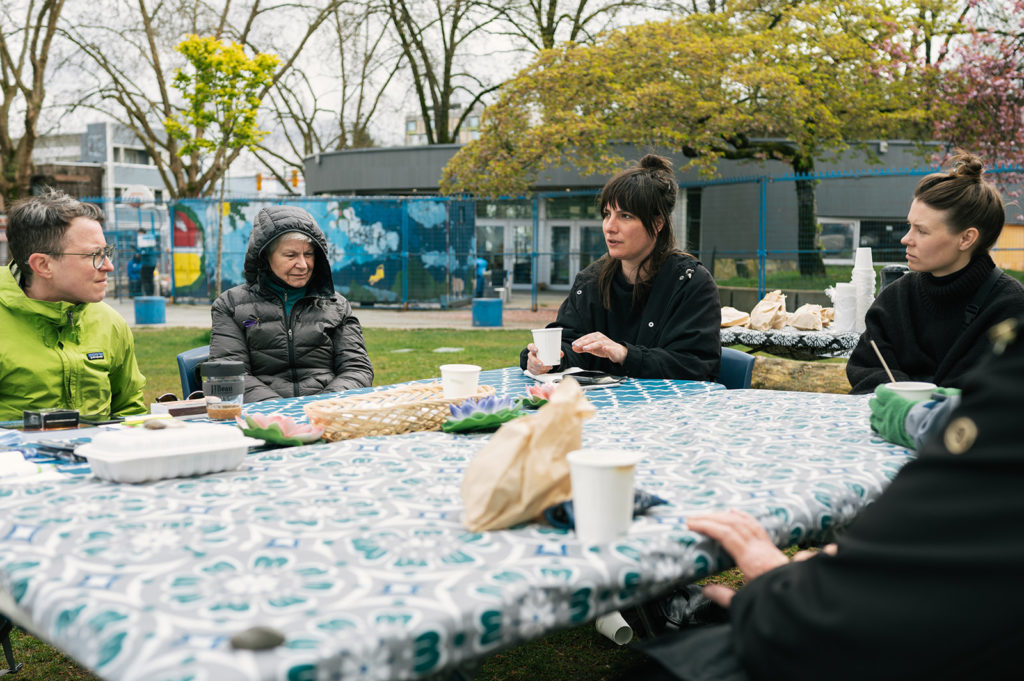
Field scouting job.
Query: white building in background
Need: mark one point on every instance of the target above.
(58, 148)
(416, 127)
(124, 158)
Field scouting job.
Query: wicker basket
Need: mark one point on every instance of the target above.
(410, 408)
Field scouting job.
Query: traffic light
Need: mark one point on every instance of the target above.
(295, 177)
(259, 181)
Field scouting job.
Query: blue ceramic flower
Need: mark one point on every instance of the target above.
(484, 405)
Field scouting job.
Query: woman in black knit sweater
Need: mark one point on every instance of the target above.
(921, 322)
(644, 309)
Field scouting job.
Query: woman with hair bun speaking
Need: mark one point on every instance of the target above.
(645, 309)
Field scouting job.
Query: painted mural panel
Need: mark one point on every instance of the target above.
(381, 250)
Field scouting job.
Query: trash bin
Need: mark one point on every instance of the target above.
(487, 312)
(150, 310)
(891, 273)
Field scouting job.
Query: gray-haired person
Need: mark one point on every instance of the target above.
(293, 332)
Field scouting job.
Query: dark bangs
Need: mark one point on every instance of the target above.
(636, 193)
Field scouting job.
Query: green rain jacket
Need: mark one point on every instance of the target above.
(63, 355)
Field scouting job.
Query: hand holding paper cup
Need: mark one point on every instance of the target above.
(459, 380)
(602, 492)
(549, 346)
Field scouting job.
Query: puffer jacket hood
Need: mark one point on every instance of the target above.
(273, 221)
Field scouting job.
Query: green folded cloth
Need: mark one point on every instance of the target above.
(889, 416)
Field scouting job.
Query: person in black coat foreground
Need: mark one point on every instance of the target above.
(924, 584)
(644, 309)
(930, 324)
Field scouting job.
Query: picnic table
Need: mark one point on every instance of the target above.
(793, 343)
(355, 550)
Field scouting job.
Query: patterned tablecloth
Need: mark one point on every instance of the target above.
(355, 550)
(795, 343)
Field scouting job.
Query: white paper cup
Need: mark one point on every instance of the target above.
(862, 259)
(615, 627)
(602, 492)
(912, 390)
(549, 346)
(459, 380)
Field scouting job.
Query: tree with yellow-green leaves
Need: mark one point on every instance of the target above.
(787, 80)
(222, 88)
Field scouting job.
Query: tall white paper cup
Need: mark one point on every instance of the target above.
(459, 380)
(549, 346)
(602, 492)
(862, 260)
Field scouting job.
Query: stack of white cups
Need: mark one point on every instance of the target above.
(844, 301)
(863, 280)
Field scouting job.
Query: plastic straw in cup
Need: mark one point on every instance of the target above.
(884, 365)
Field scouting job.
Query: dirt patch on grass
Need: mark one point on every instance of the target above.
(773, 373)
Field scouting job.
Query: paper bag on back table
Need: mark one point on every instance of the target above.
(522, 470)
(770, 313)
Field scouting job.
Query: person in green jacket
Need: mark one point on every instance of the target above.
(61, 346)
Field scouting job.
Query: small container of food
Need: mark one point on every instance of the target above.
(224, 388)
(144, 454)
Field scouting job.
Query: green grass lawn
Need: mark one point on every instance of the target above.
(397, 355)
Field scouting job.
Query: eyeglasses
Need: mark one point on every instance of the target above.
(99, 256)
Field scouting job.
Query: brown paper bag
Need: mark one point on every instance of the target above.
(522, 470)
(770, 313)
(733, 317)
(807, 317)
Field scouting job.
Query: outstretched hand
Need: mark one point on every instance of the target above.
(743, 539)
(598, 344)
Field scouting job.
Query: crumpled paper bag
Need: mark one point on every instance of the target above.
(733, 317)
(523, 469)
(770, 313)
(807, 317)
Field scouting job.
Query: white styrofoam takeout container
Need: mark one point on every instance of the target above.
(141, 455)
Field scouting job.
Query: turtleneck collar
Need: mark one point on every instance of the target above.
(956, 289)
(960, 284)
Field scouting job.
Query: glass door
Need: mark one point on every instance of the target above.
(522, 247)
(592, 244)
(490, 245)
(561, 255)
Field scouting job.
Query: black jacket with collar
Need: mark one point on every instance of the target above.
(678, 336)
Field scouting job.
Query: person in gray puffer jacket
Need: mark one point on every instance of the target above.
(294, 334)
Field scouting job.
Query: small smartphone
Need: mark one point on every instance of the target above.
(58, 449)
(596, 379)
(99, 420)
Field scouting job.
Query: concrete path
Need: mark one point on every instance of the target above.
(516, 314)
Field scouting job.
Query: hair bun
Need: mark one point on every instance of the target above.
(655, 162)
(965, 164)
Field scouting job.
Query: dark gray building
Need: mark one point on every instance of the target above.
(717, 219)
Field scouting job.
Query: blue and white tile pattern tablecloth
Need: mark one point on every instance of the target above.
(355, 550)
(797, 343)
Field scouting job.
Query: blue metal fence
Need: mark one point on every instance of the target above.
(405, 251)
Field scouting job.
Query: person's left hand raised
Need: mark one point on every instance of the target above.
(745, 540)
(598, 344)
